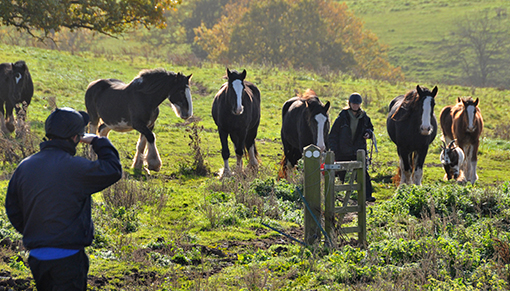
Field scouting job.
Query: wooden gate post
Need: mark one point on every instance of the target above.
(312, 192)
(329, 193)
(362, 207)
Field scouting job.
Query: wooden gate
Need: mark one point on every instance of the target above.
(313, 196)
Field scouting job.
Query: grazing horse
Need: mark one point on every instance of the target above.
(16, 88)
(124, 107)
(305, 121)
(236, 112)
(412, 126)
(452, 159)
(463, 122)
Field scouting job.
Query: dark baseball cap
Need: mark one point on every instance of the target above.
(65, 123)
(355, 98)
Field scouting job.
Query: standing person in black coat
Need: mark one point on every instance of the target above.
(49, 200)
(349, 133)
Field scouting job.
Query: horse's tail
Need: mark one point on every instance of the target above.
(282, 172)
(396, 178)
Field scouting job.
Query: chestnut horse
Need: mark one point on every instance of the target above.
(463, 123)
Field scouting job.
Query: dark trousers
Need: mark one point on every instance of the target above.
(68, 273)
(368, 181)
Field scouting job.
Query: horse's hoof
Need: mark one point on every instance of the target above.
(155, 168)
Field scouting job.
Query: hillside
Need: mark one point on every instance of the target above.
(189, 232)
(415, 31)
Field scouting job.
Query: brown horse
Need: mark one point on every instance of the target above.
(463, 123)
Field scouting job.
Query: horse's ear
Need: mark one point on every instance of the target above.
(458, 100)
(189, 77)
(243, 74)
(418, 89)
(452, 144)
(228, 73)
(434, 91)
(476, 102)
(327, 105)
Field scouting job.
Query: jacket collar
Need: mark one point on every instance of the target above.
(65, 145)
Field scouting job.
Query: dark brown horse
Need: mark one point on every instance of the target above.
(16, 88)
(236, 112)
(305, 121)
(124, 107)
(412, 126)
(463, 123)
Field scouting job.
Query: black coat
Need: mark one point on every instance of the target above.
(49, 195)
(340, 139)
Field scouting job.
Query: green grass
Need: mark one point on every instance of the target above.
(415, 29)
(202, 211)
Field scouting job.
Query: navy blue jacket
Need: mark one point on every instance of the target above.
(345, 143)
(49, 195)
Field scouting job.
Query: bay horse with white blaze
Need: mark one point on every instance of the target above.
(16, 88)
(236, 112)
(124, 107)
(412, 126)
(305, 121)
(463, 123)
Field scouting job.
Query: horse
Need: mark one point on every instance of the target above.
(305, 121)
(236, 112)
(412, 126)
(463, 122)
(124, 107)
(17, 88)
(452, 159)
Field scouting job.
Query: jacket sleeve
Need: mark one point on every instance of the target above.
(12, 206)
(106, 170)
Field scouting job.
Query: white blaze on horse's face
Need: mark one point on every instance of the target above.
(178, 110)
(426, 126)
(321, 122)
(190, 103)
(238, 89)
(471, 117)
(17, 77)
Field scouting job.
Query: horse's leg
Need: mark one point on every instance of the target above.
(139, 156)
(466, 166)
(252, 149)
(419, 160)
(2, 120)
(153, 159)
(239, 145)
(225, 153)
(405, 167)
(10, 117)
(471, 163)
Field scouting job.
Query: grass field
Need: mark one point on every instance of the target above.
(201, 213)
(415, 30)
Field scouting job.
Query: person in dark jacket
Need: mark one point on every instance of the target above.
(49, 200)
(349, 133)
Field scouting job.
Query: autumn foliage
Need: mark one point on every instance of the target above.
(310, 34)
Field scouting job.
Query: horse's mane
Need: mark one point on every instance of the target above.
(409, 102)
(468, 100)
(308, 96)
(153, 79)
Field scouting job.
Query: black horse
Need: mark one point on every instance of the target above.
(16, 88)
(236, 112)
(124, 107)
(412, 126)
(305, 121)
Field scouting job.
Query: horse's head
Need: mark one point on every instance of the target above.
(452, 158)
(236, 90)
(318, 120)
(21, 77)
(424, 101)
(470, 109)
(180, 96)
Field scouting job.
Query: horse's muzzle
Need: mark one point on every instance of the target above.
(425, 130)
(238, 110)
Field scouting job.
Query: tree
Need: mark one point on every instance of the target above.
(310, 34)
(104, 16)
(480, 46)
